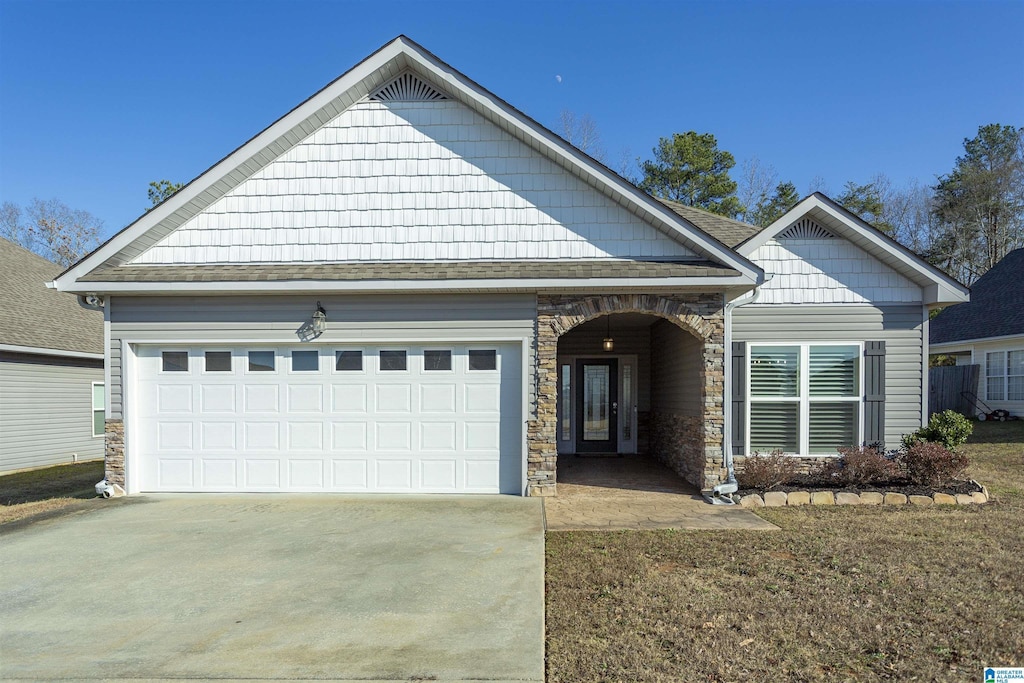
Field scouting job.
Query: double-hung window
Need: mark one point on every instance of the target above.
(99, 408)
(1004, 376)
(804, 398)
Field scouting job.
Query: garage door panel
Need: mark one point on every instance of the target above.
(329, 422)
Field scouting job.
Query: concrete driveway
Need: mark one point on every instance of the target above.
(278, 587)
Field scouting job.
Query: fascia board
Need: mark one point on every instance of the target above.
(938, 287)
(42, 351)
(276, 286)
(229, 163)
(977, 340)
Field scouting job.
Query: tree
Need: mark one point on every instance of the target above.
(769, 209)
(162, 189)
(51, 229)
(690, 169)
(980, 204)
(756, 182)
(582, 133)
(866, 202)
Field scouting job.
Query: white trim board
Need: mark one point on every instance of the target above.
(42, 351)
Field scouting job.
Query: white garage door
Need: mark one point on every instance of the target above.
(395, 418)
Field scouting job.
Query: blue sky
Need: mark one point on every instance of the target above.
(99, 98)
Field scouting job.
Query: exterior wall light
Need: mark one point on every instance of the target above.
(609, 343)
(319, 320)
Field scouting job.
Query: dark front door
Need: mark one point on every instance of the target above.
(597, 405)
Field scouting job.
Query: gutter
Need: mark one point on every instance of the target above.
(719, 494)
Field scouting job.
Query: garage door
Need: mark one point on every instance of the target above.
(396, 418)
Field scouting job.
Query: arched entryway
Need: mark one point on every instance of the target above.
(659, 390)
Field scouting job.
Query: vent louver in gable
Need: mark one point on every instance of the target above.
(805, 229)
(408, 88)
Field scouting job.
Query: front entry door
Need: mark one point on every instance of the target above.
(597, 405)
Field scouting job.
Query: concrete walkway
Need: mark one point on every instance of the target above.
(274, 587)
(634, 492)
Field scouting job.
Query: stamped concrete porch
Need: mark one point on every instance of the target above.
(634, 492)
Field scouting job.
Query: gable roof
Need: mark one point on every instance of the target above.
(996, 308)
(34, 318)
(399, 56)
(937, 287)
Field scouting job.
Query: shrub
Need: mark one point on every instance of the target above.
(762, 471)
(948, 428)
(929, 463)
(863, 465)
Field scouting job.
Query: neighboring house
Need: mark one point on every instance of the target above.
(51, 368)
(406, 284)
(989, 331)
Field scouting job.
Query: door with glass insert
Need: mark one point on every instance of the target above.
(597, 405)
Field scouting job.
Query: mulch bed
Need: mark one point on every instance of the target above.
(813, 483)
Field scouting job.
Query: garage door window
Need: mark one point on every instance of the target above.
(348, 361)
(218, 361)
(483, 359)
(392, 360)
(437, 360)
(175, 361)
(305, 361)
(261, 361)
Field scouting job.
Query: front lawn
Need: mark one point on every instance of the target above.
(37, 492)
(839, 594)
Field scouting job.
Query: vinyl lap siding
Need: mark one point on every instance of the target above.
(46, 411)
(676, 377)
(900, 327)
(349, 320)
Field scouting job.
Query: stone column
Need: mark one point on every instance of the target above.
(114, 452)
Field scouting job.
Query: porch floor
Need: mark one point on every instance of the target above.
(634, 492)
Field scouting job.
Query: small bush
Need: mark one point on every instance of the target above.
(862, 465)
(948, 428)
(929, 463)
(762, 471)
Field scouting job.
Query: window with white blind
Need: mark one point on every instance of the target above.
(1004, 375)
(804, 398)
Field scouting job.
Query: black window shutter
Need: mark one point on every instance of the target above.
(874, 392)
(739, 398)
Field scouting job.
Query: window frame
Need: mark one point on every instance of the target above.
(95, 410)
(262, 373)
(1002, 379)
(497, 359)
(803, 398)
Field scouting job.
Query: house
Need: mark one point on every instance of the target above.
(989, 331)
(405, 284)
(52, 392)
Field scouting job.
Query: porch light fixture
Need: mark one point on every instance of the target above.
(319, 320)
(609, 343)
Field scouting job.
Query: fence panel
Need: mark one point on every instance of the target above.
(951, 388)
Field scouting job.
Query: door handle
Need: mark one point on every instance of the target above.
(615, 407)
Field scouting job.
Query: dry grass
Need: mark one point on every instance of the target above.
(43, 491)
(839, 594)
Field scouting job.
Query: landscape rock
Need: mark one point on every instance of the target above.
(944, 499)
(846, 498)
(979, 497)
(823, 498)
(871, 498)
(964, 499)
(798, 498)
(751, 501)
(894, 499)
(775, 499)
(923, 501)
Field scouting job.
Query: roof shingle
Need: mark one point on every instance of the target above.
(37, 317)
(996, 308)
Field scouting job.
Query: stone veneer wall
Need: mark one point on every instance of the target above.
(702, 315)
(113, 433)
(678, 441)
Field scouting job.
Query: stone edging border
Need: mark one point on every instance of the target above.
(774, 499)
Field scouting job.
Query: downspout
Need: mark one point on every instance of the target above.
(720, 494)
